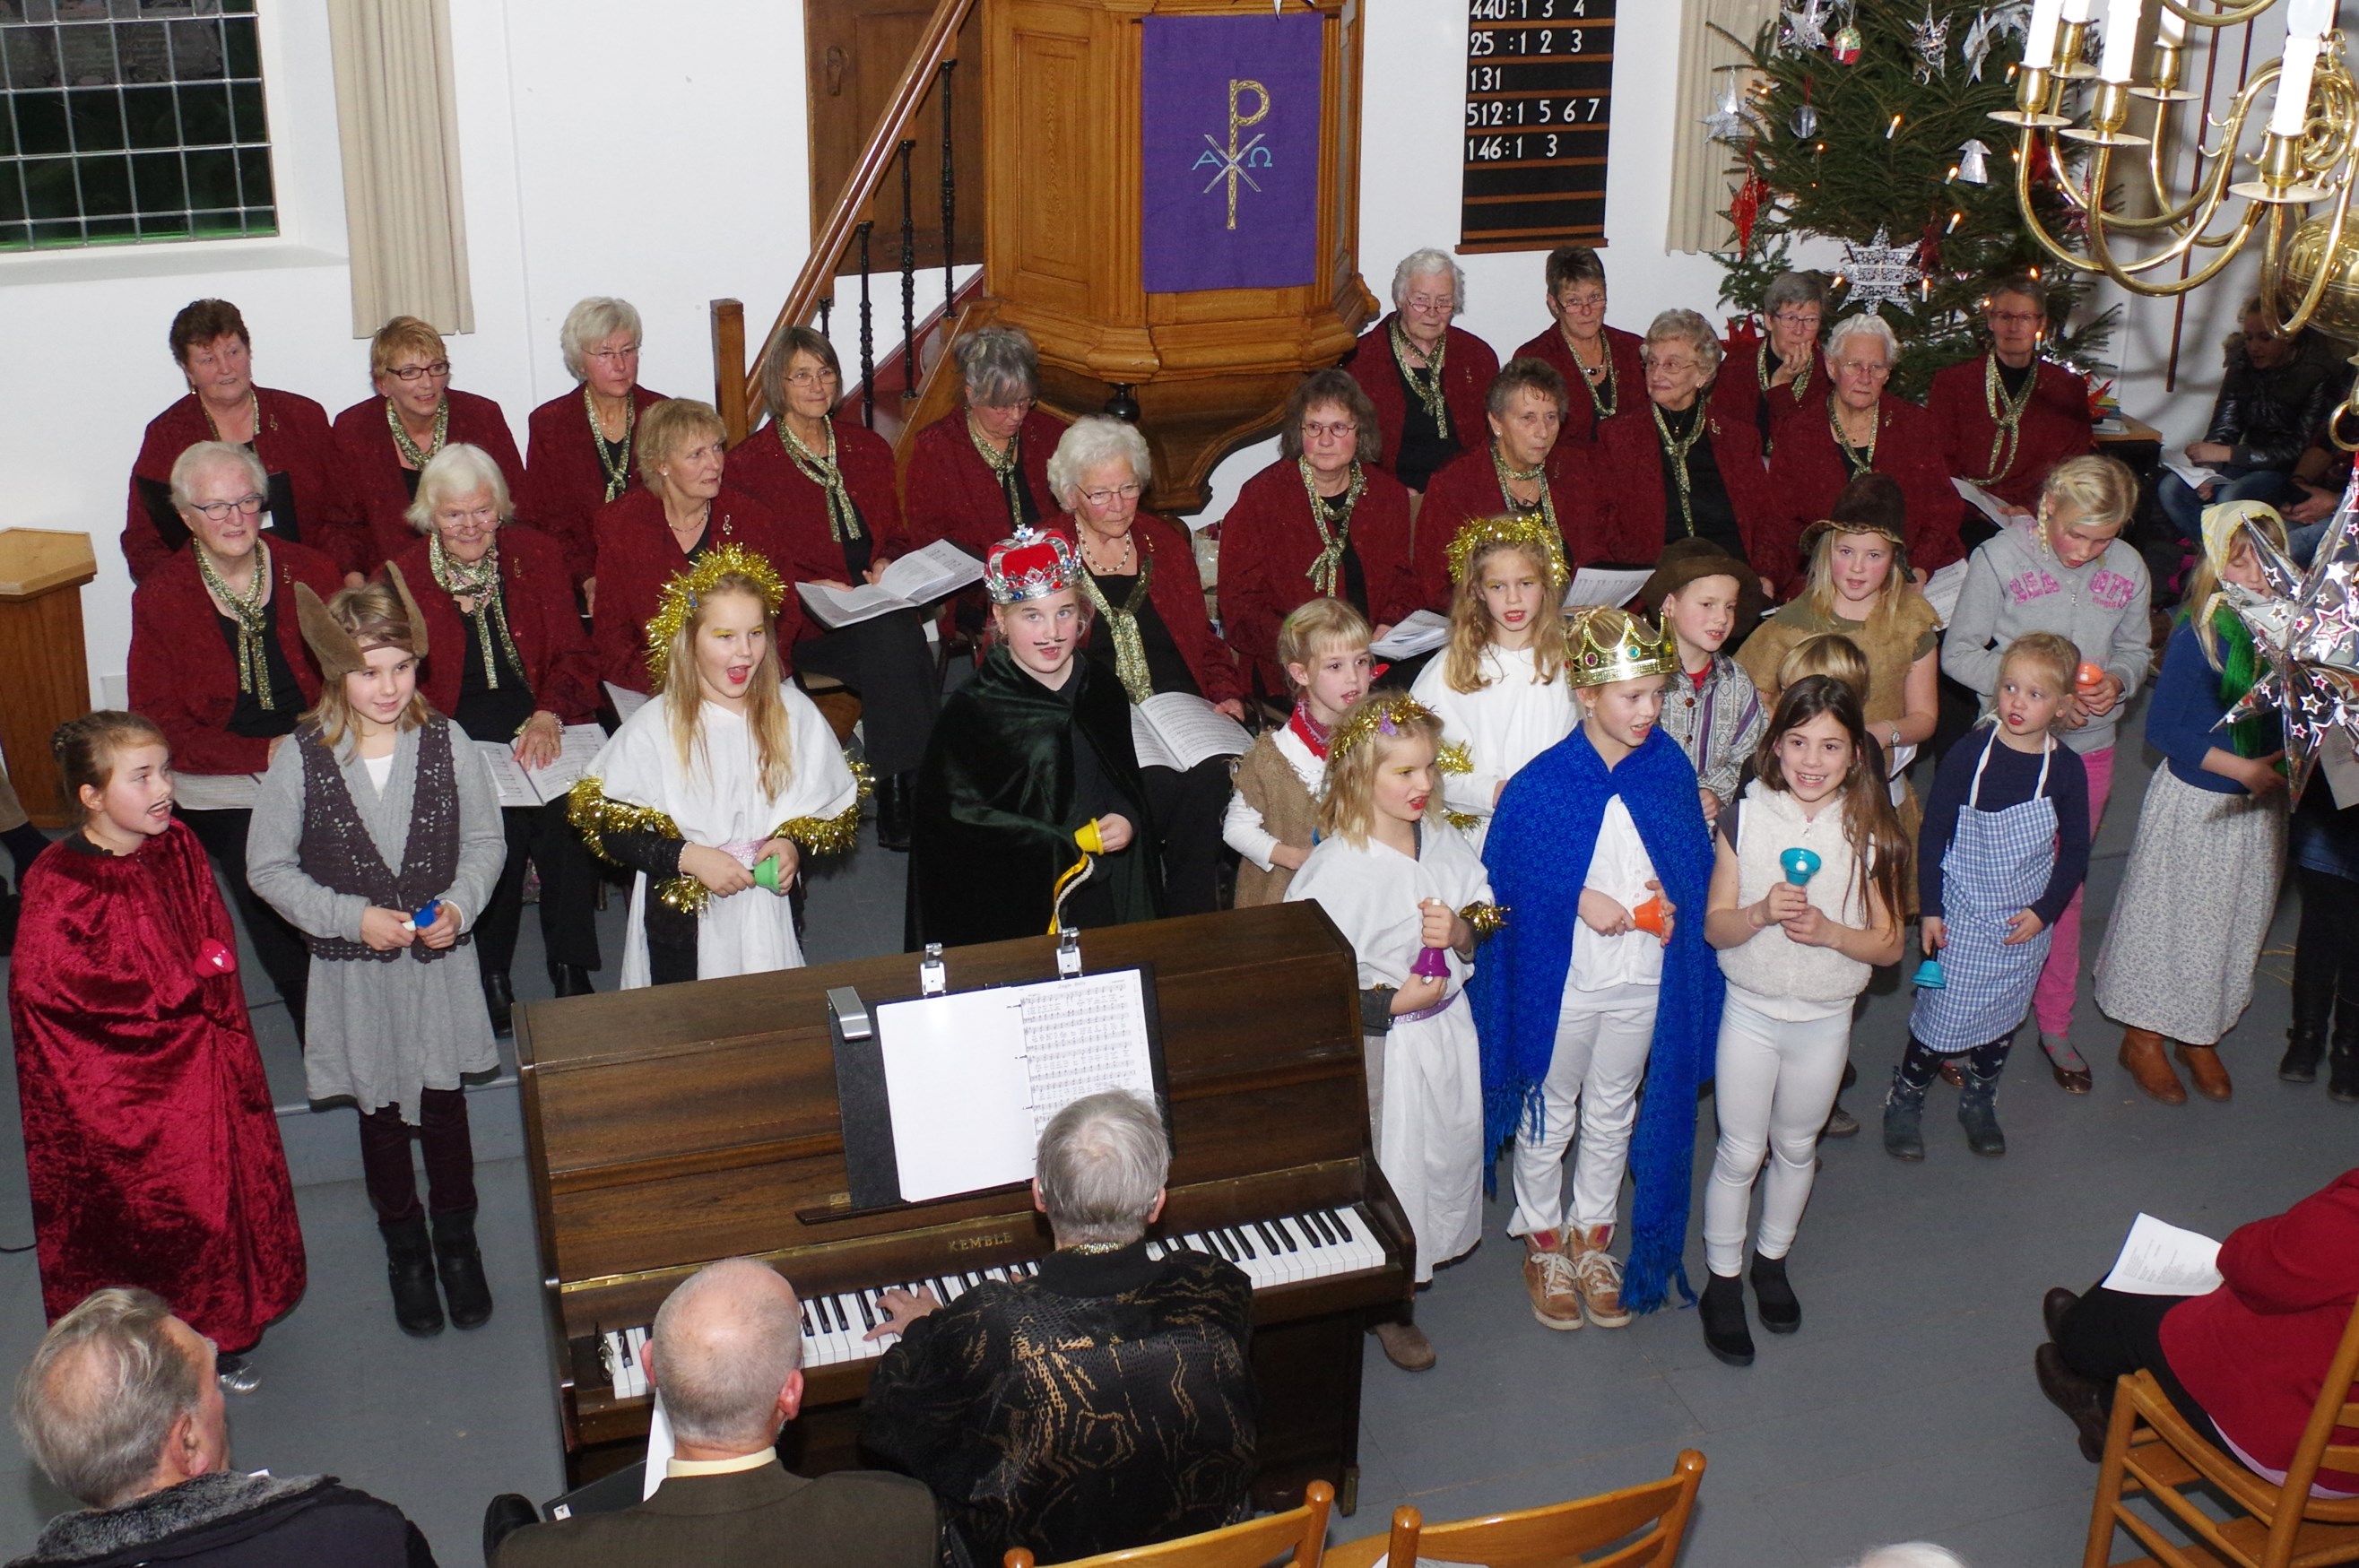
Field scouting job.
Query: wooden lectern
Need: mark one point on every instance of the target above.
(42, 574)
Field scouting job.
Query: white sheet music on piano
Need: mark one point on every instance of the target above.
(972, 1077)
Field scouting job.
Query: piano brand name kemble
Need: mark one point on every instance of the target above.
(981, 1243)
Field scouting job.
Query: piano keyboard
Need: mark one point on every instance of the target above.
(1273, 1252)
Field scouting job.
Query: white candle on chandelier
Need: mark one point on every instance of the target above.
(2305, 20)
(2080, 10)
(2122, 19)
(2039, 42)
(2173, 30)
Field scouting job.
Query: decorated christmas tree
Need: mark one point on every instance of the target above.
(1870, 125)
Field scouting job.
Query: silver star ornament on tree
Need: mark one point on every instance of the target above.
(1930, 40)
(1879, 273)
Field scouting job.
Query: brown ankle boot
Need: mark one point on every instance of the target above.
(2142, 1059)
(2202, 1064)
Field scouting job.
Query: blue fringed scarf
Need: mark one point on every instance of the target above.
(1539, 847)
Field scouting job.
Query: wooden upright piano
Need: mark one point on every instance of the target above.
(671, 1127)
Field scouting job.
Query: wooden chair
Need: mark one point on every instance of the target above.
(2151, 1449)
(1553, 1536)
(1302, 1531)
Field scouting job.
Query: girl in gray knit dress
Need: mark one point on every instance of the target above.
(378, 837)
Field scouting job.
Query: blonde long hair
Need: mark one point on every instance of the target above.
(1821, 590)
(1470, 623)
(1348, 811)
(765, 709)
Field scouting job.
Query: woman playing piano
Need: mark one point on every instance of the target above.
(714, 789)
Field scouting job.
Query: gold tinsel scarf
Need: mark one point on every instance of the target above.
(1003, 466)
(480, 583)
(1332, 518)
(250, 614)
(842, 517)
(1426, 382)
(1129, 647)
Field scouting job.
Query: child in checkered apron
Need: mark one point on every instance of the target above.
(2004, 847)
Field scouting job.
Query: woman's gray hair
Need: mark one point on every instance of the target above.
(1795, 289)
(1694, 329)
(101, 1392)
(1862, 326)
(998, 365)
(1088, 442)
(198, 456)
(1912, 1554)
(593, 320)
(1418, 264)
(1102, 1160)
(459, 469)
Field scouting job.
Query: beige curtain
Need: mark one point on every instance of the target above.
(1701, 178)
(397, 113)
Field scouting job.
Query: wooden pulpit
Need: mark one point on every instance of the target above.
(42, 574)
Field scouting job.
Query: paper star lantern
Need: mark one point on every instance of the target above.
(1729, 122)
(1880, 272)
(2307, 632)
(1804, 26)
(1929, 41)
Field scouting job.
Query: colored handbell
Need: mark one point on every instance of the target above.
(766, 874)
(1433, 963)
(1928, 975)
(215, 958)
(2089, 675)
(1800, 865)
(1648, 916)
(426, 916)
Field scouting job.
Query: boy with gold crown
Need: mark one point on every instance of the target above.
(1600, 983)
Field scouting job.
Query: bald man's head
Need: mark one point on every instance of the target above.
(727, 1345)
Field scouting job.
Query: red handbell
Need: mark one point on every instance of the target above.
(214, 958)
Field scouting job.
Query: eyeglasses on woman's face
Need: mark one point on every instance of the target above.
(219, 511)
(439, 370)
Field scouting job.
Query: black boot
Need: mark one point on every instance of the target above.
(1773, 1298)
(2304, 1046)
(410, 1265)
(1904, 1114)
(1722, 1311)
(570, 980)
(461, 1264)
(501, 1001)
(893, 797)
(1978, 1113)
(2342, 1061)
(2313, 999)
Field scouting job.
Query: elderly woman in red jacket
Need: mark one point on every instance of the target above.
(388, 440)
(650, 536)
(2244, 1362)
(1679, 470)
(1525, 466)
(830, 481)
(1149, 629)
(307, 497)
(218, 662)
(1601, 365)
(1767, 379)
(580, 446)
(1425, 377)
(509, 665)
(1864, 429)
(1321, 522)
(2009, 417)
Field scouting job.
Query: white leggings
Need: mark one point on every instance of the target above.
(1602, 1039)
(1775, 1080)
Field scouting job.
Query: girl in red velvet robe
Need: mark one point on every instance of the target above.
(149, 1138)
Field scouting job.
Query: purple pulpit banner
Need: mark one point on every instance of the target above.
(1229, 124)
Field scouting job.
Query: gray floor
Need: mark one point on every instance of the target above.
(1905, 1407)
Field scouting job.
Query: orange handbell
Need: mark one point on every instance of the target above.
(1648, 916)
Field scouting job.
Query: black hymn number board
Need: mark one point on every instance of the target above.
(1540, 105)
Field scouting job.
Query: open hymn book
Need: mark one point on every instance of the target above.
(1179, 729)
(521, 786)
(915, 580)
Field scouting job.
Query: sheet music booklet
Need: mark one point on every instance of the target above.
(951, 1095)
(521, 786)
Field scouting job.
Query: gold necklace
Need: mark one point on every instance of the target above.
(1609, 399)
(616, 462)
(1677, 448)
(2007, 409)
(254, 413)
(1842, 443)
(1425, 383)
(410, 453)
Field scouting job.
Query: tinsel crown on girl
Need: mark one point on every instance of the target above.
(686, 589)
(1608, 645)
(1387, 713)
(1529, 530)
(1030, 565)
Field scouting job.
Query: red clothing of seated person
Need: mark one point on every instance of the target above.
(637, 555)
(564, 483)
(1807, 473)
(1468, 487)
(1177, 592)
(1642, 510)
(1626, 394)
(373, 463)
(1268, 543)
(292, 438)
(1468, 368)
(2054, 425)
(763, 468)
(537, 597)
(952, 493)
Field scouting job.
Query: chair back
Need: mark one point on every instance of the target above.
(1298, 1533)
(2338, 1406)
(1558, 1535)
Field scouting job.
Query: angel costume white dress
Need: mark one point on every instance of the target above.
(1425, 1077)
(641, 791)
(1496, 728)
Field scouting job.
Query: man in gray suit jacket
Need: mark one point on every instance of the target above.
(727, 1354)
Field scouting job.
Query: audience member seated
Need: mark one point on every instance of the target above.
(218, 661)
(510, 664)
(388, 440)
(120, 1408)
(2320, 476)
(2007, 416)
(1865, 431)
(2241, 1362)
(1769, 378)
(829, 481)
(1323, 522)
(1682, 471)
(1149, 629)
(306, 494)
(727, 1359)
(1525, 469)
(578, 445)
(1582, 349)
(1425, 377)
(1106, 1404)
(654, 533)
(975, 479)
(2275, 394)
